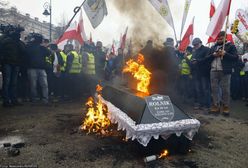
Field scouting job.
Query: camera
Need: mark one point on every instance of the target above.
(9, 29)
(34, 37)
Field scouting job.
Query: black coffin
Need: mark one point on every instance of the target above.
(136, 107)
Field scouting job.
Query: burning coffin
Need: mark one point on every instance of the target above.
(144, 118)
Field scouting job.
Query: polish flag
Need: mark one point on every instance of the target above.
(218, 18)
(228, 37)
(187, 37)
(74, 32)
(80, 28)
(123, 39)
(212, 9)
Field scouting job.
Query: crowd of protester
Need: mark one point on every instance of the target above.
(37, 71)
(211, 76)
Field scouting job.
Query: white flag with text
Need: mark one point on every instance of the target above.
(185, 14)
(95, 10)
(163, 8)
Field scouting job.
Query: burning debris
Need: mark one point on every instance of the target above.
(164, 154)
(139, 72)
(96, 120)
(156, 157)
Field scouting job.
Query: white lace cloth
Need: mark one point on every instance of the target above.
(144, 132)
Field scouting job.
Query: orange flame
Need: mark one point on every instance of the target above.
(96, 119)
(139, 71)
(164, 154)
(98, 88)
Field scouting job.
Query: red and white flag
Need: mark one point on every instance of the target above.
(218, 18)
(74, 32)
(212, 9)
(123, 39)
(80, 28)
(187, 37)
(228, 37)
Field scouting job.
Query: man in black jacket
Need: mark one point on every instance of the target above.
(221, 62)
(200, 75)
(12, 51)
(100, 59)
(37, 66)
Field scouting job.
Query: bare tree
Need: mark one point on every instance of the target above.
(61, 25)
(3, 3)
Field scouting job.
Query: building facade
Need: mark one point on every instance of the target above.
(14, 17)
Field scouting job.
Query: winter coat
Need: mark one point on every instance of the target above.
(11, 51)
(200, 68)
(37, 56)
(229, 59)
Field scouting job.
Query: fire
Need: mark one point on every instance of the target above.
(96, 119)
(164, 154)
(139, 71)
(98, 88)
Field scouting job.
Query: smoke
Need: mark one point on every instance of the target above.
(145, 21)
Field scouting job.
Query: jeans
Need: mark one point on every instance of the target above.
(202, 91)
(40, 76)
(185, 87)
(10, 74)
(236, 86)
(220, 82)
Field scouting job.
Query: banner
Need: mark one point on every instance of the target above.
(243, 24)
(95, 10)
(163, 8)
(185, 14)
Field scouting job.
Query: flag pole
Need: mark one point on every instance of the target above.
(175, 34)
(224, 39)
(226, 26)
(75, 10)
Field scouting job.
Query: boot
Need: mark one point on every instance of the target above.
(214, 109)
(226, 111)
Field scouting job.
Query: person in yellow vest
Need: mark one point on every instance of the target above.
(185, 75)
(73, 69)
(58, 59)
(91, 64)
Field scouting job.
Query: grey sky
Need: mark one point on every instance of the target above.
(115, 23)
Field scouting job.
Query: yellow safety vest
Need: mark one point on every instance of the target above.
(91, 64)
(64, 56)
(185, 67)
(242, 73)
(48, 60)
(76, 65)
